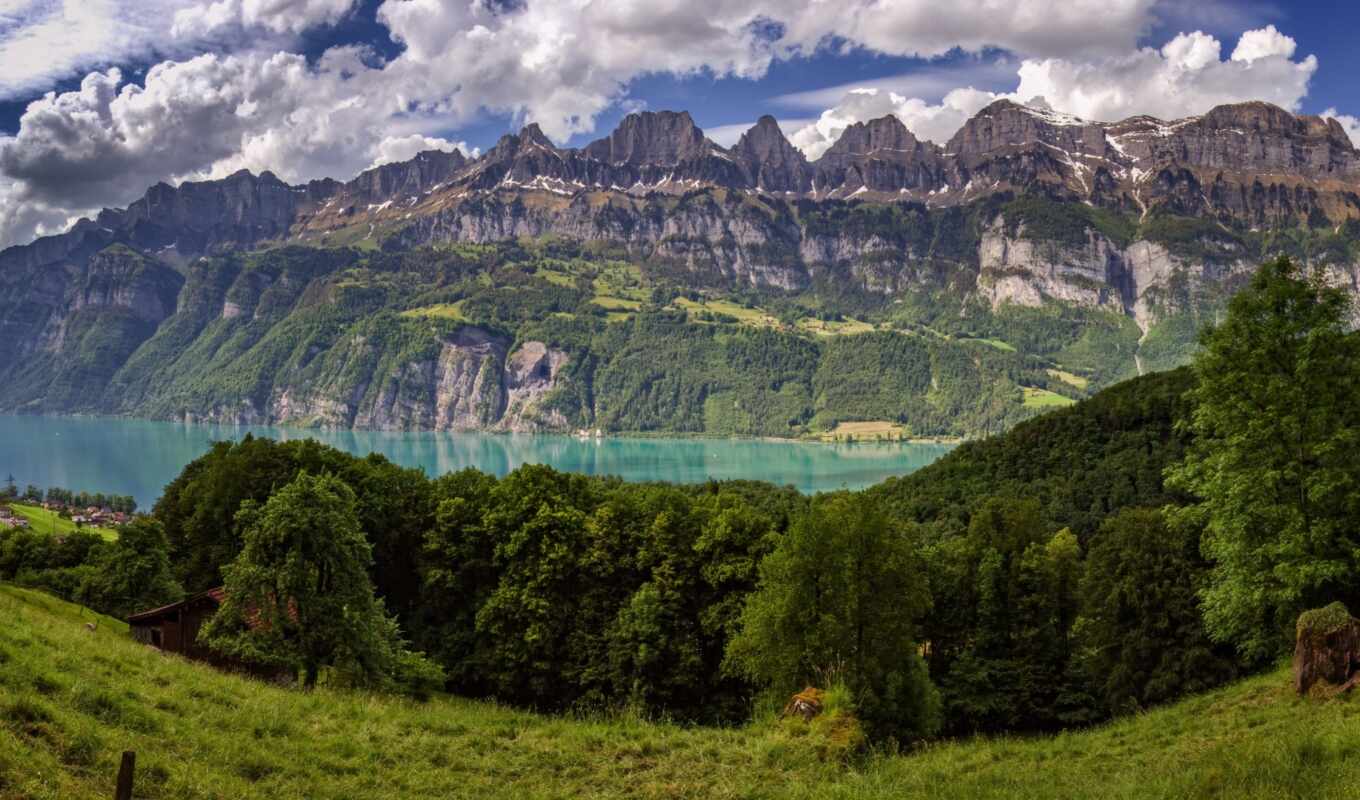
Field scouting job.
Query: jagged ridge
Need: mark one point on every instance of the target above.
(1252, 163)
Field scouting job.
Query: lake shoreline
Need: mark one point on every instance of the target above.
(579, 435)
(138, 457)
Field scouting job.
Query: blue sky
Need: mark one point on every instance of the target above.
(311, 88)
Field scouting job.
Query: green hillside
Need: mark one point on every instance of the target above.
(71, 701)
(43, 521)
(641, 346)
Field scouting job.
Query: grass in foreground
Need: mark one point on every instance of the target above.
(71, 701)
(40, 520)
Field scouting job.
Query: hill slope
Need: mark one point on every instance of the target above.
(71, 701)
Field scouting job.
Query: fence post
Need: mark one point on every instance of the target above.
(124, 790)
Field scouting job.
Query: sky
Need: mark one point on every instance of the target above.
(100, 99)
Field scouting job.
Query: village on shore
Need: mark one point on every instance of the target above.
(81, 509)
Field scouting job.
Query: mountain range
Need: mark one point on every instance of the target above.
(1076, 252)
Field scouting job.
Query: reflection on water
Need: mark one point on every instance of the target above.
(139, 457)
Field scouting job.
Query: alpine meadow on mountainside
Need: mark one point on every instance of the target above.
(969, 408)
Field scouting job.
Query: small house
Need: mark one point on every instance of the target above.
(174, 628)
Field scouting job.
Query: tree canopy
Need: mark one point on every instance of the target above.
(1276, 428)
(298, 594)
(840, 597)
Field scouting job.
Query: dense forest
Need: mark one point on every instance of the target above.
(1156, 539)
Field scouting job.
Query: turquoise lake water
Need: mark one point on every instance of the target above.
(139, 457)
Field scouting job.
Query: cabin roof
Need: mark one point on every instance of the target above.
(215, 595)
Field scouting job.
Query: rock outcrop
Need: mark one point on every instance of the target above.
(1327, 649)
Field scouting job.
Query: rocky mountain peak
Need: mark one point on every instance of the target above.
(1005, 125)
(886, 133)
(764, 140)
(663, 138)
(407, 178)
(1254, 162)
(509, 145)
(1252, 116)
(772, 163)
(532, 134)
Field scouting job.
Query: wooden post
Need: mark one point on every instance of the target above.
(124, 790)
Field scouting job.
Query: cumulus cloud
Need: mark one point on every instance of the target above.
(103, 144)
(1186, 76)
(277, 16)
(403, 148)
(43, 41)
(1263, 43)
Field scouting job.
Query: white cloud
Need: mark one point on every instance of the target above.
(1191, 51)
(932, 121)
(1263, 43)
(45, 41)
(1186, 76)
(930, 82)
(403, 148)
(276, 16)
(925, 28)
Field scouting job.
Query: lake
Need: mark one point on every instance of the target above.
(139, 457)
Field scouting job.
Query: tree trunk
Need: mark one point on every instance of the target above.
(1327, 648)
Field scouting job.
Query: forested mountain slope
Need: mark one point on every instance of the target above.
(655, 281)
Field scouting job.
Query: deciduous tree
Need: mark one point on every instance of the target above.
(299, 595)
(1277, 429)
(843, 590)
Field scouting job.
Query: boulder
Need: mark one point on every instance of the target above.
(1327, 649)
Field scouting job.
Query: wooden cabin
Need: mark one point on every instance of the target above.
(174, 628)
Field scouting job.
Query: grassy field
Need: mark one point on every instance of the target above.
(71, 701)
(845, 327)
(451, 311)
(43, 521)
(1070, 378)
(752, 317)
(865, 431)
(1043, 398)
(997, 343)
